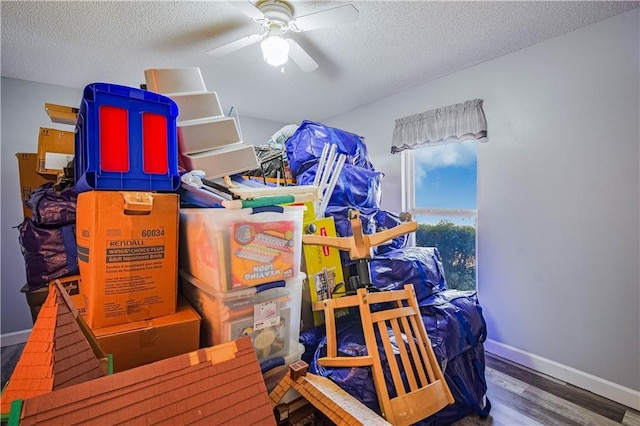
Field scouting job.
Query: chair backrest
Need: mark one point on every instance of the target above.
(395, 325)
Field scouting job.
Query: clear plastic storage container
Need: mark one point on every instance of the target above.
(233, 249)
(269, 314)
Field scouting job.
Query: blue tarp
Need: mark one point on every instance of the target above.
(305, 146)
(356, 187)
(420, 266)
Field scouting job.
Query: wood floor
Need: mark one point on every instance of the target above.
(522, 397)
(519, 397)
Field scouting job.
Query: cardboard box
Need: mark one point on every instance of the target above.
(322, 265)
(61, 114)
(127, 254)
(55, 150)
(35, 298)
(29, 178)
(138, 343)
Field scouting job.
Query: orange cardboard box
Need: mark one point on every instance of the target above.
(61, 114)
(29, 178)
(127, 244)
(55, 150)
(142, 342)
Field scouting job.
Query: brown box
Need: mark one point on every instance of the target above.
(62, 114)
(55, 150)
(127, 254)
(29, 178)
(143, 342)
(73, 285)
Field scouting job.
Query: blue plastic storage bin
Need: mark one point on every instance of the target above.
(126, 139)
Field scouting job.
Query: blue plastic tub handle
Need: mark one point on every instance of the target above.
(271, 363)
(275, 209)
(269, 286)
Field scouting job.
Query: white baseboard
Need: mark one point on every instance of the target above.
(14, 338)
(613, 391)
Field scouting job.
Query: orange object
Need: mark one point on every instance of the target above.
(60, 352)
(30, 179)
(55, 150)
(143, 342)
(127, 244)
(216, 385)
(424, 391)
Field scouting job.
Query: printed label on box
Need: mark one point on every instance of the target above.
(266, 315)
(268, 342)
(54, 160)
(262, 252)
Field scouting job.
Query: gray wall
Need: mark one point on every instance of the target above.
(558, 193)
(22, 115)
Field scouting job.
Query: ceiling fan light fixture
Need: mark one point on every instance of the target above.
(275, 50)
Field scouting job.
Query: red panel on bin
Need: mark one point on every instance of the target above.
(114, 139)
(154, 143)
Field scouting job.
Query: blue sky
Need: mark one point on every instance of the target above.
(446, 177)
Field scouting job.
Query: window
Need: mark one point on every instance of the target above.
(441, 194)
(440, 161)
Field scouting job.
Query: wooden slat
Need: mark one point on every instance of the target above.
(376, 369)
(420, 404)
(415, 356)
(332, 393)
(423, 352)
(387, 296)
(391, 359)
(346, 361)
(407, 365)
(413, 302)
(392, 314)
(330, 325)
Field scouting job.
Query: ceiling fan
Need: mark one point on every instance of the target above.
(277, 18)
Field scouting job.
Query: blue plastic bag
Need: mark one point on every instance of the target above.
(420, 266)
(305, 146)
(356, 187)
(49, 253)
(51, 207)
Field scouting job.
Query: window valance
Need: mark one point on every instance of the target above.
(453, 123)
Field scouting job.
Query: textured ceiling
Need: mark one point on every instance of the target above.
(393, 46)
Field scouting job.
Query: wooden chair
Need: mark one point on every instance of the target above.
(418, 383)
(419, 387)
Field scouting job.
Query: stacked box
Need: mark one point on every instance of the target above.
(127, 256)
(269, 314)
(30, 179)
(55, 150)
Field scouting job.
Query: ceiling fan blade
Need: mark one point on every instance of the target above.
(326, 18)
(225, 49)
(246, 7)
(301, 57)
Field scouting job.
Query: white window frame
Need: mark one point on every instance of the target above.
(409, 201)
